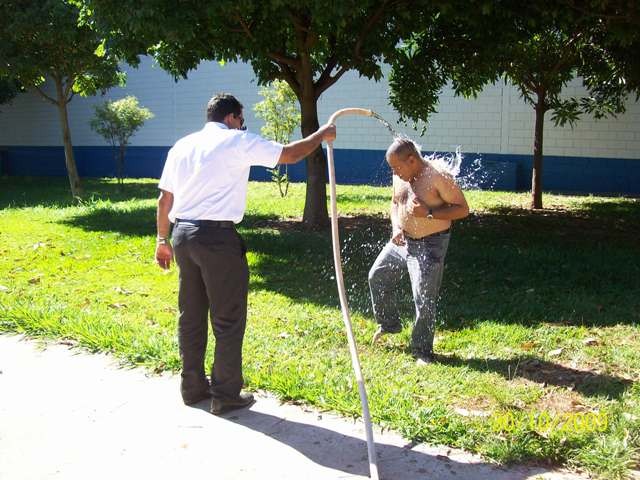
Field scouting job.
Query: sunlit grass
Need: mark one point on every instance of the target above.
(539, 311)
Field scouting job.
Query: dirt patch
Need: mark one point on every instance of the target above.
(560, 400)
(586, 382)
(479, 406)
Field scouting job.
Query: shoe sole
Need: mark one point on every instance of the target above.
(193, 401)
(230, 407)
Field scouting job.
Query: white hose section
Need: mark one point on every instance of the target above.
(373, 464)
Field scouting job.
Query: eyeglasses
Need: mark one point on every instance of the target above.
(241, 121)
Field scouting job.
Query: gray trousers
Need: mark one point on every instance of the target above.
(424, 260)
(214, 283)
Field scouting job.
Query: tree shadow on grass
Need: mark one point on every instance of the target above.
(626, 209)
(299, 264)
(25, 192)
(587, 383)
(135, 221)
(506, 266)
(553, 266)
(590, 223)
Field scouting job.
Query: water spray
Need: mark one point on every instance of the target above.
(373, 464)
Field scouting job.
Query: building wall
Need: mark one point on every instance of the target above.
(497, 127)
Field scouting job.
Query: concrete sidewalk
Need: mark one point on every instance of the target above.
(71, 415)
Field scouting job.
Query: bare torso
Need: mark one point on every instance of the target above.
(422, 188)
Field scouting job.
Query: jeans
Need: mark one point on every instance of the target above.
(424, 260)
(214, 282)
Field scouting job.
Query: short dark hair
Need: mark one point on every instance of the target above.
(221, 105)
(403, 147)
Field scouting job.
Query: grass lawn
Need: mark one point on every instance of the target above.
(538, 342)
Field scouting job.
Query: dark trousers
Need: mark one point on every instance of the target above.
(214, 282)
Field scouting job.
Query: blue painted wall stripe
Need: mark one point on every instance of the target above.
(353, 166)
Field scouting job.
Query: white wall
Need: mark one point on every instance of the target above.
(498, 121)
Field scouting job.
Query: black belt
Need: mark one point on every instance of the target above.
(208, 223)
(441, 232)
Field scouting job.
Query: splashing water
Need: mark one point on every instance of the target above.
(449, 164)
(475, 175)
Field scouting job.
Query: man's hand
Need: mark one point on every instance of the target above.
(417, 208)
(328, 131)
(295, 151)
(398, 238)
(164, 255)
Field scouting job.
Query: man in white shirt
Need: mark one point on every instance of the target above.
(203, 192)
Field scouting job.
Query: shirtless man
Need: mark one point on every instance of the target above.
(424, 203)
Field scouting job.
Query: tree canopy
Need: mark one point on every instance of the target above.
(540, 47)
(42, 42)
(310, 45)
(9, 88)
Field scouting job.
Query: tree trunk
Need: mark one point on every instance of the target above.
(315, 206)
(70, 162)
(121, 163)
(536, 176)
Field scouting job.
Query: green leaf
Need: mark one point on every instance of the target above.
(100, 50)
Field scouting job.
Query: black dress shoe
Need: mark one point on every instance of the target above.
(194, 387)
(192, 399)
(221, 405)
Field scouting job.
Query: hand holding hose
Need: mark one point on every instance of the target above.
(328, 131)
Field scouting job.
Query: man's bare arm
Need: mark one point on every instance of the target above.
(397, 234)
(395, 222)
(395, 219)
(165, 202)
(295, 151)
(164, 252)
(455, 205)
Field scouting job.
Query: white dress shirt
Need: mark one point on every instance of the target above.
(208, 172)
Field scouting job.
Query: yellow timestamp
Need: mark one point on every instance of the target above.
(546, 422)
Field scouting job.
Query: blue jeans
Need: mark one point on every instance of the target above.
(424, 260)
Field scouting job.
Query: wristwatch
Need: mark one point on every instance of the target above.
(162, 241)
(430, 214)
